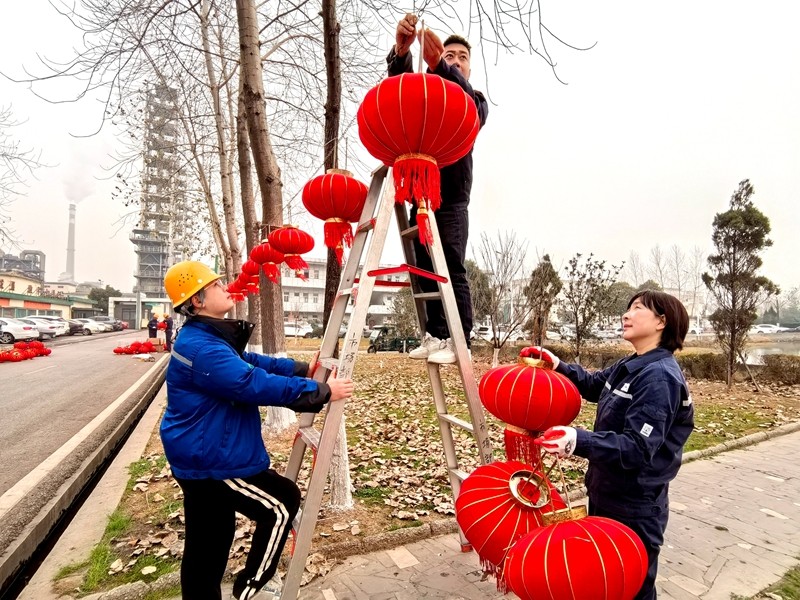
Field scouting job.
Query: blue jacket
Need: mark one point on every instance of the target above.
(644, 417)
(212, 426)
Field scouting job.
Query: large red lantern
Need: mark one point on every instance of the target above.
(530, 396)
(498, 504)
(338, 199)
(269, 259)
(418, 123)
(292, 242)
(592, 557)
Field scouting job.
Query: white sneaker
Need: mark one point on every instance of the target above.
(445, 355)
(429, 345)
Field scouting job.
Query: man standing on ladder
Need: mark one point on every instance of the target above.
(450, 61)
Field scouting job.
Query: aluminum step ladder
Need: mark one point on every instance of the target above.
(376, 218)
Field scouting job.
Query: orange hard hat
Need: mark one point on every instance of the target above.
(184, 279)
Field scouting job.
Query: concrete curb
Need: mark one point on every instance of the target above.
(399, 537)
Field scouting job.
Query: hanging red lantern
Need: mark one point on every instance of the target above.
(338, 199)
(498, 504)
(251, 268)
(531, 397)
(292, 242)
(592, 557)
(418, 123)
(269, 259)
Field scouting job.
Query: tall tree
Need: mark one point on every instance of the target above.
(479, 290)
(502, 260)
(634, 270)
(657, 268)
(739, 237)
(16, 164)
(101, 296)
(542, 291)
(676, 268)
(584, 298)
(404, 313)
(618, 294)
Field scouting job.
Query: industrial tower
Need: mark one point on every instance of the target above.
(160, 234)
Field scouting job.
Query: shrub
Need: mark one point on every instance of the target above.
(704, 365)
(782, 368)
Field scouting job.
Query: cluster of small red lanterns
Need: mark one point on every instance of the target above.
(524, 532)
(24, 351)
(135, 348)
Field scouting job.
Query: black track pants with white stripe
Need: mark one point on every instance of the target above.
(267, 498)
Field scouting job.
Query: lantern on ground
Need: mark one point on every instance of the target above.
(418, 123)
(498, 504)
(338, 199)
(591, 557)
(530, 397)
(292, 242)
(269, 259)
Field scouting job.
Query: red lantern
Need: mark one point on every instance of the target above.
(251, 268)
(531, 397)
(269, 259)
(338, 199)
(292, 242)
(418, 123)
(498, 504)
(593, 557)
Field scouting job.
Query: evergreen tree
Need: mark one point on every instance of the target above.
(544, 286)
(740, 235)
(101, 296)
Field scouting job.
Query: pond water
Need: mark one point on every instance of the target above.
(754, 354)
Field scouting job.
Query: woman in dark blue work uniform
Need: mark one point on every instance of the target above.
(644, 417)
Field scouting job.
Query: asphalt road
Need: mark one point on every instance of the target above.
(47, 400)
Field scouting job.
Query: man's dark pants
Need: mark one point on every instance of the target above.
(453, 223)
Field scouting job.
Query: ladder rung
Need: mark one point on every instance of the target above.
(406, 268)
(387, 283)
(366, 226)
(411, 232)
(462, 475)
(457, 422)
(427, 296)
(310, 436)
(329, 363)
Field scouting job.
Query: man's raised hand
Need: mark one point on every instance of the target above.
(406, 31)
(432, 48)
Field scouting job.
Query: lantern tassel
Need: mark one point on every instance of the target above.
(416, 177)
(424, 225)
(519, 445)
(299, 274)
(271, 271)
(338, 233)
(295, 262)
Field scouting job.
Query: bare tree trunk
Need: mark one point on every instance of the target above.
(341, 494)
(267, 169)
(249, 213)
(234, 258)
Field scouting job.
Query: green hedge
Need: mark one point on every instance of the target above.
(705, 365)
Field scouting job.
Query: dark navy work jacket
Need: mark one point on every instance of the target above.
(644, 417)
(456, 179)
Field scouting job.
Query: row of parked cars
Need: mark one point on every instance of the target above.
(47, 327)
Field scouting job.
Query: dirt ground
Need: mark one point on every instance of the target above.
(396, 462)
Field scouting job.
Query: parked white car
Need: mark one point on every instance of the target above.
(46, 329)
(767, 328)
(296, 330)
(93, 326)
(12, 330)
(60, 322)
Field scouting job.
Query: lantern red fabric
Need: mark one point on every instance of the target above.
(498, 504)
(529, 395)
(593, 557)
(292, 242)
(338, 199)
(418, 123)
(269, 259)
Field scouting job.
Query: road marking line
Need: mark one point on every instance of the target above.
(328, 594)
(772, 513)
(32, 479)
(42, 369)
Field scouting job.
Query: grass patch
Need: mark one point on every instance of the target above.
(173, 591)
(715, 424)
(788, 588)
(372, 495)
(404, 525)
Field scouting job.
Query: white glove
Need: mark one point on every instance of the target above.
(559, 440)
(539, 352)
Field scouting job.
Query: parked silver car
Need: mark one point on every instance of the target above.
(47, 330)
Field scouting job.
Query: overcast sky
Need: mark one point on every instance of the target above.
(657, 125)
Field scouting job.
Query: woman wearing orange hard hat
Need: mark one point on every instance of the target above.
(211, 432)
